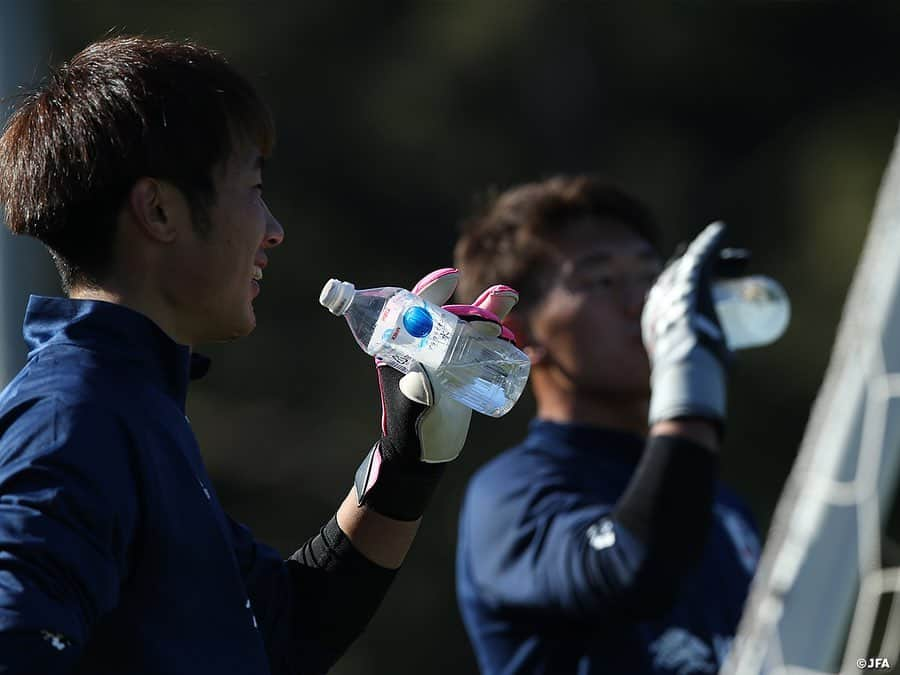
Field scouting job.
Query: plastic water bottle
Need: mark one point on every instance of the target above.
(754, 311)
(486, 374)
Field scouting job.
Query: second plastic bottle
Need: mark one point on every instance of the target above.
(754, 311)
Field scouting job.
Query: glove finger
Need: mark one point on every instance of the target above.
(499, 300)
(507, 334)
(680, 249)
(416, 386)
(706, 242)
(472, 313)
(486, 328)
(701, 254)
(438, 286)
(483, 321)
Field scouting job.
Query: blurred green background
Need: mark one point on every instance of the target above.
(394, 117)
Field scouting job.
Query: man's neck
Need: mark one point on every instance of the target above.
(134, 301)
(625, 415)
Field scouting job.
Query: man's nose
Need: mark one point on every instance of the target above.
(274, 231)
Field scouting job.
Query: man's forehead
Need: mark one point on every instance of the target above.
(592, 236)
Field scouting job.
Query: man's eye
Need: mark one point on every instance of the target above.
(601, 282)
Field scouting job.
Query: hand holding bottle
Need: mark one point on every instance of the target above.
(691, 321)
(422, 427)
(683, 337)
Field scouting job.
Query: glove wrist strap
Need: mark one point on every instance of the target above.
(398, 490)
(692, 387)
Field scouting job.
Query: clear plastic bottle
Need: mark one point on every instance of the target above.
(485, 374)
(754, 311)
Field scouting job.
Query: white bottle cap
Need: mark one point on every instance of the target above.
(337, 295)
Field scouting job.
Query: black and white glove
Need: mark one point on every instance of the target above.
(683, 337)
(422, 428)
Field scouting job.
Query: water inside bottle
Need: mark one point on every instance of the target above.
(490, 387)
(753, 311)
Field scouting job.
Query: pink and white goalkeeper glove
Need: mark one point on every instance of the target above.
(421, 427)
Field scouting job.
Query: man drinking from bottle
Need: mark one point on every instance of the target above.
(603, 542)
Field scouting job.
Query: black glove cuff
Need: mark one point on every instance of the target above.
(398, 490)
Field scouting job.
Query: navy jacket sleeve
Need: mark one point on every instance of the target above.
(540, 545)
(67, 516)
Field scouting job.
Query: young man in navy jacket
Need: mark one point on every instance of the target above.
(603, 543)
(139, 165)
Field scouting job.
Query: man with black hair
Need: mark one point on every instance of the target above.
(139, 165)
(603, 543)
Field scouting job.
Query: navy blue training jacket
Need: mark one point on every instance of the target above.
(115, 554)
(543, 571)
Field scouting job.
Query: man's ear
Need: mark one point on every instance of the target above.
(536, 354)
(518, 324)
(150, 203)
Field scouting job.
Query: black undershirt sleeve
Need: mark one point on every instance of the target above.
(667, 510)
(669, 498)
(340, 589)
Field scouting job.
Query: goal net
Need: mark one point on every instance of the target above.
(824, 600)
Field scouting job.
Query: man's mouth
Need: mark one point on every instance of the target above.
(257, 273)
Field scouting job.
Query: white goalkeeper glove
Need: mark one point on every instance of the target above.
(683, 337)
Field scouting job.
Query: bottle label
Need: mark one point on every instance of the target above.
(393, 343)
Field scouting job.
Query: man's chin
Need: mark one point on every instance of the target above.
(236, 331)
(243, 331)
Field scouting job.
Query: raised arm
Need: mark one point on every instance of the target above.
(581, 557)
(314, 608)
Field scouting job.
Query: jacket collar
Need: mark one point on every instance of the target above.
(117, 332)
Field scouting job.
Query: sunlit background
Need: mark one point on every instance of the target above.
(393, 118)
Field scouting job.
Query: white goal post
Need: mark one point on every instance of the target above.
(812, 607)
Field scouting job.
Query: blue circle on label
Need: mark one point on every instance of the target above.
(417, 321)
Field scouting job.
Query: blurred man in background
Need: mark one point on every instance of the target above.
(603, 543)
(139, 165)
